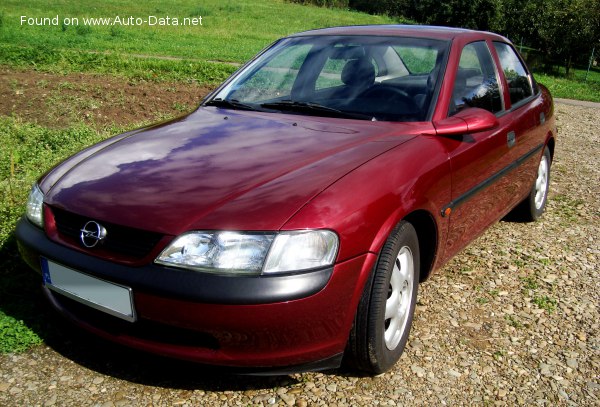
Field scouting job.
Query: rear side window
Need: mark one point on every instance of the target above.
(519, 81)
(475, 84)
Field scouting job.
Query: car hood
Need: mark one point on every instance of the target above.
(216, 169)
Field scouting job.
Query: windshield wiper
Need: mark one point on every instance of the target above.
(231, 104)
(310, 107)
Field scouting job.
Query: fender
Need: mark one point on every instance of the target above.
(416, 172)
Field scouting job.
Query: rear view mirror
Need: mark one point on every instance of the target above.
(467, 121)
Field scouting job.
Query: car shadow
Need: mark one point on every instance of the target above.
(139, 367)
(21, 298)
(20, 293)
(514, 217)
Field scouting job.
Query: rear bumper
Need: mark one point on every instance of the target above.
(275, 324)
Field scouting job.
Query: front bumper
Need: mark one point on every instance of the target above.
(264, 322)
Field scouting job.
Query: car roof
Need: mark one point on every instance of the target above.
(425, 31)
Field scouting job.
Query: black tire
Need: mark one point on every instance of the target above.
(368, 348)
(532, 207)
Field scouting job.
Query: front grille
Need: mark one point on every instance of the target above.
(134, 243)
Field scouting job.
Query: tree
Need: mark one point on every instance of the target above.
(393, 8)
(475, 14)
(566, 30)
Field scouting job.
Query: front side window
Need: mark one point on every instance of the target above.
(475, 84)
(358, 77)
(517, 77)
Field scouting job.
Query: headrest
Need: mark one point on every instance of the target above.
(358, 72)
(460, 81)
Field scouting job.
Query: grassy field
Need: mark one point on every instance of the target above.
(231, 31)
(65, 61)
(574, 87)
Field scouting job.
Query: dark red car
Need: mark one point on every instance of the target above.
(286, 223)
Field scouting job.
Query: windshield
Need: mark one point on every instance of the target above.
(359, 77)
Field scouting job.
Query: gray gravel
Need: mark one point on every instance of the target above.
(513, 319)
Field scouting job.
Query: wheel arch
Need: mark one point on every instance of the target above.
(550, 144)
(427, 233)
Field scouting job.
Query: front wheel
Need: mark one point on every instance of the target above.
(386, 309)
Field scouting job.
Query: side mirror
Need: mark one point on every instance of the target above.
(467, 121)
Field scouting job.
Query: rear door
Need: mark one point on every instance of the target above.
(526, 111)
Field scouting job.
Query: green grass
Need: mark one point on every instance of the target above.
(567, 208)
(573, 87)
(66, 61)
(514, 322)
(530, 283)
(26, 150)
(546, 303)
(16, 336)
(230, 30)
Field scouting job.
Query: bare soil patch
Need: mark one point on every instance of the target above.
(58, 101)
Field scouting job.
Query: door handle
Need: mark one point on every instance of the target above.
(511, 139)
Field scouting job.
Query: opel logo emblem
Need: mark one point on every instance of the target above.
(92, 233)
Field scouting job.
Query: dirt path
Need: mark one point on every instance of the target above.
(513, 319)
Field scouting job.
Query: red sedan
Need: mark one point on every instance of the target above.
(286, 223)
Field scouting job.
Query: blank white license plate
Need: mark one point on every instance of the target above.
(105, 296)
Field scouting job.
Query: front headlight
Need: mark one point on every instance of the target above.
(35, 204)
(251, 253)
(303, 250)
(240, 253)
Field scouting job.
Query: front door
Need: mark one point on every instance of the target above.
(481, 185)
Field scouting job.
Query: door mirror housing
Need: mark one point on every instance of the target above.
(467, 121)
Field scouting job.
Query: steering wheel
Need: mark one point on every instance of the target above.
(387, 93)
(389, 97)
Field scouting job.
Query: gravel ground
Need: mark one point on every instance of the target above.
(513, 319)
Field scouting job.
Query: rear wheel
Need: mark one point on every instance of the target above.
(385, 312)
(534, 205)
